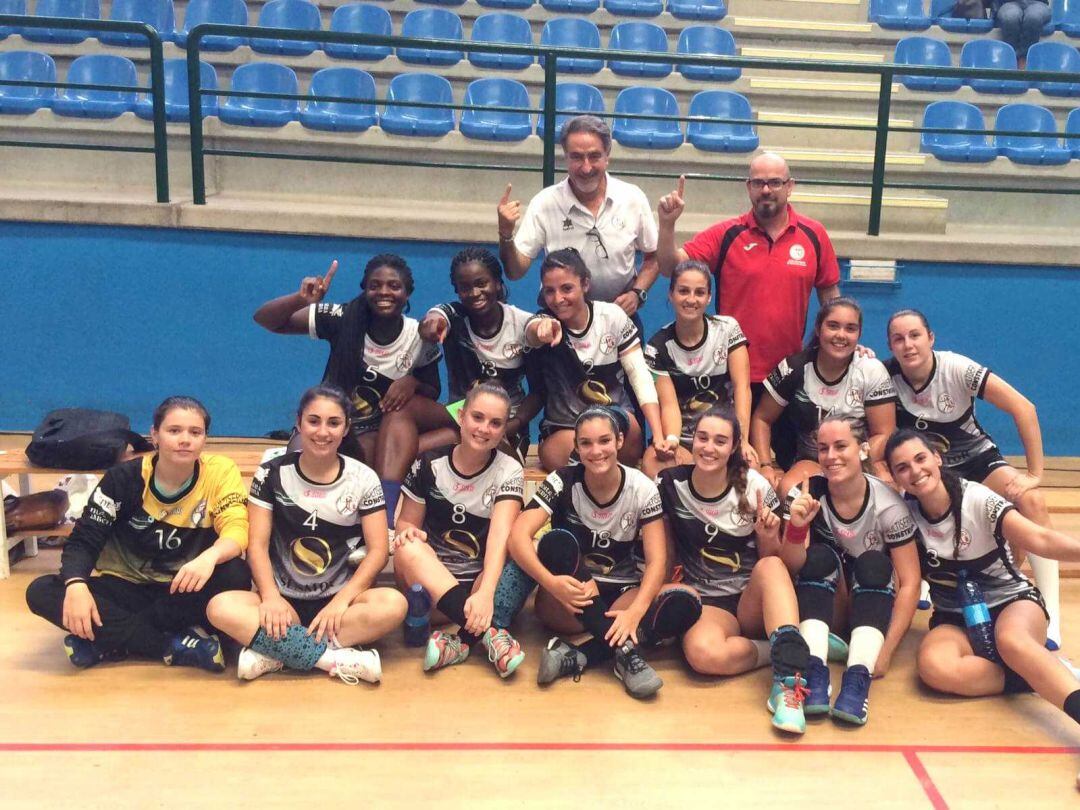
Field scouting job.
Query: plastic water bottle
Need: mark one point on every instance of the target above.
(418, 620)
(980, 630)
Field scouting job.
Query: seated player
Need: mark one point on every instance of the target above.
(860, 570)
(724, 521)
(828, 378)
(389, 374)
(591, 580)
(309, 510)
(165, 533)
(460, 502)
(698, 360)
(591, 348)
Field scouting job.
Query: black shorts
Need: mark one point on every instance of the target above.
(308, 609)
(979, 467)
(730, 602)
(610, 591)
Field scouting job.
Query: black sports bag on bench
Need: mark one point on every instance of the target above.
(83, 439)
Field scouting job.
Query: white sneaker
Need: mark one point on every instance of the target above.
(250, 665)
(352, 665)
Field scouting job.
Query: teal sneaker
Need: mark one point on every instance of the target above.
(786, 704)
(503, 651)
(838, 649)
(443, 650)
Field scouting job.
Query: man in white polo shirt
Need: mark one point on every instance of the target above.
(605, 219)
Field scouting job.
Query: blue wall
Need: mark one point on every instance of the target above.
(118, 318)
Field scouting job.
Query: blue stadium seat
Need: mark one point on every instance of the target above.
(98, 69)
(261, 77)
(576, 98)
(512, 4)
(26, 66)
(223, 12)
(360, 18)
(431, 23)
(445, 2)
(697, 9)
(572, 32)
(644, 133)
(639, 36)
(491, 125)
(926, 51)
(708, 40)
(298, 14)
(83, 9)
(11, 7)
(1059, 57)
(1072, 126)
(158, 14)
(501, 27)
(176, 92)
(634, 8)
(1066, 16)
(571, 6)
(427, 88)
(959, 145)
(903, 15)
(340, 116)
(715, 136)
(1029, 149)
(941, 12)
(991, 53)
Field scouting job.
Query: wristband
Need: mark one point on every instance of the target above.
(770, 464)
(74, 581)
(671, 437)
(794, 534)
(506, 239)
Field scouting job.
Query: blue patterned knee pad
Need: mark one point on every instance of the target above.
(297, 650)
(511, 593)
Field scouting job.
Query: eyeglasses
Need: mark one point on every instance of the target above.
(601, 249)
(774, 183)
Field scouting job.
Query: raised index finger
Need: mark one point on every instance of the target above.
(805, 486)
(506, 195)
(330, 274)
(680, 186)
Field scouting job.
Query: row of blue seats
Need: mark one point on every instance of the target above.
(1054, 57)
(964, 146)
(497, 27)
(908, 15)
(683, 9)
(325, 113)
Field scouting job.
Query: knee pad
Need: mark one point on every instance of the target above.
(873, 569)
(815, 586)
(297, 650)
(670, 615)
(821, 564)
(872, 595)
(559, 552)
(511, 593)
(788, 652)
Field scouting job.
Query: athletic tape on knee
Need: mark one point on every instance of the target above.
(815, 586)
(872, 594)
(511, 593)
(297, 650)
(788, 652)
(559, 552)
(671, 614)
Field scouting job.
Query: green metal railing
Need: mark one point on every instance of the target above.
(156, 90)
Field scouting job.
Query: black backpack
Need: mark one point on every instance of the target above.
(82, 439)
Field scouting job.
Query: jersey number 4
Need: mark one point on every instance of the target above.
(312, 521)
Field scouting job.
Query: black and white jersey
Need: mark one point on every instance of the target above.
(458, 507)
(607, 533)
(797, 385)
(984, 553)
(882, 523)
(699, 373)
(944, 407)
(383, 363)
(471, 357)
(314, 526)
(714, 537)
(584, 369)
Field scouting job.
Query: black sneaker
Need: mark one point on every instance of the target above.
(83, 653)
(558, 660)
(195, 649)
(640, 680)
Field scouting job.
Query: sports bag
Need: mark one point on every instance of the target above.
(82, 439)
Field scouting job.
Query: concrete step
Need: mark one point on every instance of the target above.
(824, 10)
(781, 136)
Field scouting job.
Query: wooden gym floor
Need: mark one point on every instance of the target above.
(140, 735)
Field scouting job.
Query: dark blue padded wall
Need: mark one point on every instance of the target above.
(118, 318)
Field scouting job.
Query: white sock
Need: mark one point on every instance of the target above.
(1046, 578)
(764, 653)
(326, 660)
(816, 634)
(866, 643)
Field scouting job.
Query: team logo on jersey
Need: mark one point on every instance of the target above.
(741, 519)
(870, 541)
(365, 401)
(945, 403)
(718, 556)
(598, 563)
(512, 350)
(260, 474)
(489, 496)
(797, 252)
(965, 540)
(105, 503)
(702, 400)
(627, 521)
(594, 392)
(403, 362)
(198, 513)
(853, 397)
(719, 355)
(347, 502)
(607, 343)
(463, 542)
(337, 310)
(311, 556)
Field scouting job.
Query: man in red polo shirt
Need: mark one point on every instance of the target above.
(765, 263)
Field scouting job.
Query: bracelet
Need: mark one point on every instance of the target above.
(506, 239)
(671, 437)
(770, 464)
(75, 580)
(795, 534)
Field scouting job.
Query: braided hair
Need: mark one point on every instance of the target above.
(950, 480)
(484, 257)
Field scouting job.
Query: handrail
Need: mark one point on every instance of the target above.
(156, 88)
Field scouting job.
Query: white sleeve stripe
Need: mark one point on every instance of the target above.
(772, 392)
(260, 503)
(314, 335)
(419, 499)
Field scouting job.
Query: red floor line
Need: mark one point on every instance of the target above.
(180, 747)
(932, 793)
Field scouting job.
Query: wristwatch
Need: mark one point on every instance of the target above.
(642, 295)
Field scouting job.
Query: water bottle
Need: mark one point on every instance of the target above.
(980, 630)
(418, 620)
